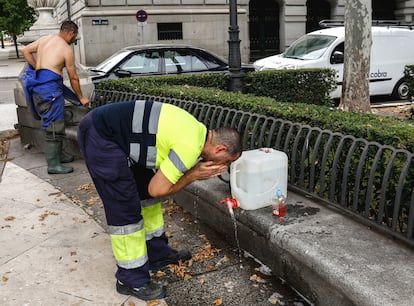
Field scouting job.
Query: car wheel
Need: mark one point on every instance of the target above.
(400, 90)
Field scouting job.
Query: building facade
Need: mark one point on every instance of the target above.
(266, 27)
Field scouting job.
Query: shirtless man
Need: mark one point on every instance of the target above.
(45, 90)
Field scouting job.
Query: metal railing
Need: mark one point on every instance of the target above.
(373, 183)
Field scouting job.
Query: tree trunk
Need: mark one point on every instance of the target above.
(15, 45)
(358, 41)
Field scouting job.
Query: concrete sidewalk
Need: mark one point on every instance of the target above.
(52, 252)
(10, 65)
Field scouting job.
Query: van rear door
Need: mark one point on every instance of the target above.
(390, 53)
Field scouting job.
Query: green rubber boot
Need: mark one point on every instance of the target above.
(53, 151)
(65, 158)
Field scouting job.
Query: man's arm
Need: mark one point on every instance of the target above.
(160, 186)
(28, 53)
(73, 77)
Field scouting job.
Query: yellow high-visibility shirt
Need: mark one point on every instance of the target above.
(179, 141)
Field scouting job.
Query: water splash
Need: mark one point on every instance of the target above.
(195, 205)
(233, 218)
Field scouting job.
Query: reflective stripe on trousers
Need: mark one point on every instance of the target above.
(153, 218)
(129, 245)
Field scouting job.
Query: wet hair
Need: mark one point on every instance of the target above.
(69, 26)
(230, 138)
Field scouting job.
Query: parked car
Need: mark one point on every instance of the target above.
(162, 59)
(391, 51)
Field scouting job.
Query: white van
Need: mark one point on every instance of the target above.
(392, 49)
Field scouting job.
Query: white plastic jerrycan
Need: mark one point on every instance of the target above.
(256, 175)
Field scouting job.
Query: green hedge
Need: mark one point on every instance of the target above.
(303, 85)
(310, 86)
(215, 80)
(384, 130)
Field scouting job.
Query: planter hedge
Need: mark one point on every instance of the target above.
(384, 130)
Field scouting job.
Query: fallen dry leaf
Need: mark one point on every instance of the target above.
(92, 200)
(222, 260)
(207, 252)
(47, 213)
(180, 270)
(153, 303)
(218, 302)
(160, 274)
(88, 188)
(76, 219)
(4, 278)
(9, 218)
(73, 253)
(257, 278)
(201, 281)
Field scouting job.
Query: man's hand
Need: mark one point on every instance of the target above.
(160, 186)
(85, 101)
(206, 170)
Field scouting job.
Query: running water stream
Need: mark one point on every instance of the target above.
(231, 204)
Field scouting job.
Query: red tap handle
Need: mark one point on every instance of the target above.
(230, 201)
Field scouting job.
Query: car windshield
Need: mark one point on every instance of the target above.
(309, 47)
(110, 62)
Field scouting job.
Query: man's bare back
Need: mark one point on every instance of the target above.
(52, 52)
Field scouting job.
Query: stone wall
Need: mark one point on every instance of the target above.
(205, 23)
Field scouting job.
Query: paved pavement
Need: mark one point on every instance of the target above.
(55, 251)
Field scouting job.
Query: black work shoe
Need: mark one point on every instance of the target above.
(150, 291)
(172, 259)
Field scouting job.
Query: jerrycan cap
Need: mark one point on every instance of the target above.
(266, 150)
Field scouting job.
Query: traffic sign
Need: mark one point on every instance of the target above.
(141, 16)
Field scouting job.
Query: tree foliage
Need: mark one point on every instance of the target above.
(16, 16)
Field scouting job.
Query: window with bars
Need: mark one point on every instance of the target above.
(170, 31)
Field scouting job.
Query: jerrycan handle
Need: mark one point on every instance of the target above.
(223, 179)
(233, 174)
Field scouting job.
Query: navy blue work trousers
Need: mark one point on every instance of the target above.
(121, 188)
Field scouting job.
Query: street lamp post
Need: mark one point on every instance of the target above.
(236, 73)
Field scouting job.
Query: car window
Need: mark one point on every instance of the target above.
(309, 47)
(208, 60)
(197, 64)
(177, 61)
(110, 62)
(338, 49)
(142, 62)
